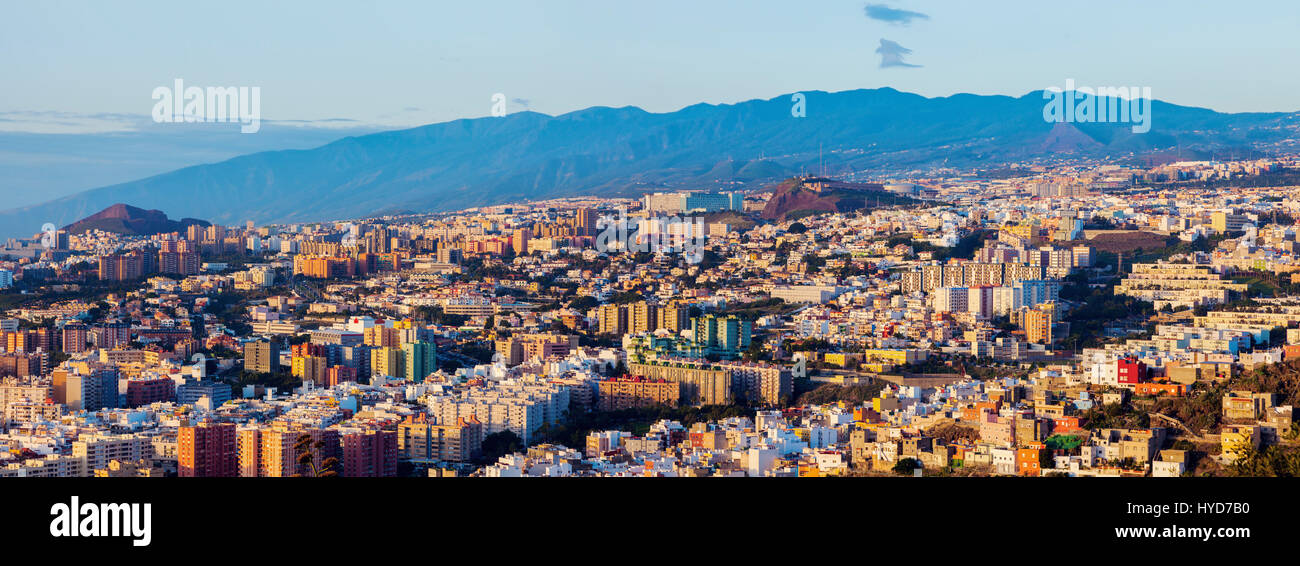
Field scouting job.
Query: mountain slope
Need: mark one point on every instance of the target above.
(627, 150)
(127, 219)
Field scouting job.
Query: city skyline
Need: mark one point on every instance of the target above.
(330, 274)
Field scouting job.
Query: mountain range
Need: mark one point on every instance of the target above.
(628, 151)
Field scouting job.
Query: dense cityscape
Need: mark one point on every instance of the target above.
(1064, 319)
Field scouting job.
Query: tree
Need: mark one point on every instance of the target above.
(905, 466)
(306, 459)
(499, 444)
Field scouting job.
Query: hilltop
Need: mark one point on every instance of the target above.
(801, 196)
(126, 219)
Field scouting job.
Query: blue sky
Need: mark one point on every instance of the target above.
(78, 76)
(405, 63)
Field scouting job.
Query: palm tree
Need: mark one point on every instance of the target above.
(306, 459)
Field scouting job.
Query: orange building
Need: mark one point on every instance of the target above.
(1028, 460)
(1064, 425)
(324, 267)
(206, 450)
(1038, 326)
(339, 374)
(1160, 389)
(632, 392)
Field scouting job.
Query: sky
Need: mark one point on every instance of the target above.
(71, 66)
(77, 77)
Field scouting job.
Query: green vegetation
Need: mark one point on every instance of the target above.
(1202, 411)
(1268, 462)
(307, 465)
(762, 307)
(964, 249)
(435, 315)
(907, 466)
(1282, 379)
(1063, 442)
(1100, 307)
(1115, 415)
(499, 444)
(1267, 284)
(281, 381)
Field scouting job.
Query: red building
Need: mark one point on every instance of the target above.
(75, 338)
(146, 391)
(1131, 372)
(339, 374)
(307, 349)
(1065, 425)
(206, 450)
(370, 454)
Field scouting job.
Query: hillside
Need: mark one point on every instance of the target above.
(797, 197)
(628, 151)
(126, 219)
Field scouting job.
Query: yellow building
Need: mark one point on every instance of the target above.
(389, 362)
(310, 368)
(1236, 438)
(1038, 326)
(899, 357)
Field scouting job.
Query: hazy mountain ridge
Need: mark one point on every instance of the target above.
(609, 151)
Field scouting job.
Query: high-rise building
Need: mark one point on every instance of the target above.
(280, 456)
(190, 393)
(382, 336)
(420, 360)
(262, 356)
(86, 386)
(674, 317)
(75, 338)
(145, 390)
(310, 368)
(636, 392)
(951, 299)
(420, 440)
(248, 451)
(979, 302)
(519, 240)
(585, 221)
(642, 317)
(206, 450)
(126, 266)
(612, 319)
(726, 336)
(1038, 326)
(369, 453)
(388, 362)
